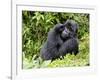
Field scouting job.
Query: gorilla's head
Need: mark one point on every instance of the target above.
(67, 30)
(70, 29)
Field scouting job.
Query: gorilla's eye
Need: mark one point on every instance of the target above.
(61, 26)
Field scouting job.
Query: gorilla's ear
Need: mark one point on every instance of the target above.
(77, 27)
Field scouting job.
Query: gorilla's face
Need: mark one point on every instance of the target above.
(71, 25)
(65, 34)
(70, 30)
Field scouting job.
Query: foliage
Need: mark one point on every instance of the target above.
(35, 26)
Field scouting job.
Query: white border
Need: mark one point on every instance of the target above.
(18, 73)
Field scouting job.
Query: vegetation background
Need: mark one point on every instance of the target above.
(35, 26)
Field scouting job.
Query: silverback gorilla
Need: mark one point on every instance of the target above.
(61, 40)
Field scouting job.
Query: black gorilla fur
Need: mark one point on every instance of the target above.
(62, 39)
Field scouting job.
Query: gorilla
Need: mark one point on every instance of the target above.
(61, 40)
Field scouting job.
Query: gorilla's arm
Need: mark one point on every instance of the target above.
(50, 48)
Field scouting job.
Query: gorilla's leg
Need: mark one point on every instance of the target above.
(70, 46)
